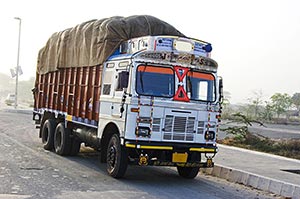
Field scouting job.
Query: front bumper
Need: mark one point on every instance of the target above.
(172, 146)
(166, 154)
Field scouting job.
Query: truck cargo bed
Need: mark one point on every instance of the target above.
(71, 91)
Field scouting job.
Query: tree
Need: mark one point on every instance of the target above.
(296, 101)
(226, 105)
(281, 103)
(227, 97)
(267, 113)
(256, 102)
(240, 131)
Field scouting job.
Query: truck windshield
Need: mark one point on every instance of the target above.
(201, 86)
(155, 81)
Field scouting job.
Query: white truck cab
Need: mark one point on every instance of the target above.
(162, 94)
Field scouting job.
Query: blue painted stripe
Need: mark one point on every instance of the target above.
(77, 120)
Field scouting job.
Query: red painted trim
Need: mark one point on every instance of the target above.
(181, 76)
(184, 98)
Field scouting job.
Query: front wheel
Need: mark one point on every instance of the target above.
(116, 158)
(188, 172)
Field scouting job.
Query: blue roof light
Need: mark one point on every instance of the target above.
(207, 48)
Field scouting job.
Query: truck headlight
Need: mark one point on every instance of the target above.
(210, 135)
(143, 132)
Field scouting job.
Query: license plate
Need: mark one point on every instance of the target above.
(179, 157)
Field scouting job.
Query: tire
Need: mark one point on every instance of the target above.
(116, 158)
(188, 172)
(48, 131)
(62, 140)
(75, 146)
(103, 155)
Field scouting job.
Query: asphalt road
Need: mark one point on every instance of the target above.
(28, 171)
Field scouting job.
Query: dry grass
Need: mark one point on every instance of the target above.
(240, 136)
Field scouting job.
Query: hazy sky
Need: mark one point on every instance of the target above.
(255, 42)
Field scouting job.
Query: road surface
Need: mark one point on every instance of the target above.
(28, 171)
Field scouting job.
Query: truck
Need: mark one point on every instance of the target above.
(133, 88)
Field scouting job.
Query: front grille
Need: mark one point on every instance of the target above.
(200, 128)
(179, 128)
(190, 125)
(179, 124)
(169, 123)
(147, 121)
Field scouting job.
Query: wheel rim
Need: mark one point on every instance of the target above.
(111, 156)
(116, 158)
(58, 140)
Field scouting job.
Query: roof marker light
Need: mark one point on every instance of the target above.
(207, 48)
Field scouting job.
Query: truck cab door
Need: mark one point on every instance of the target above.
(122, 78)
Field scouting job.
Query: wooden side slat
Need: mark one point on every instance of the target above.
(45, 91)
(78, 91)
(55, 90)
(71, 92)
(66, 86)
(97, 88)
(50, 91)
(90, 93)
(83, 91)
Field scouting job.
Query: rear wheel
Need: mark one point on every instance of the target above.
(116, 158)
(188, 172)
(48, 131)
(62, 140)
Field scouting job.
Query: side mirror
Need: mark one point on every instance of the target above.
(221, 95)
